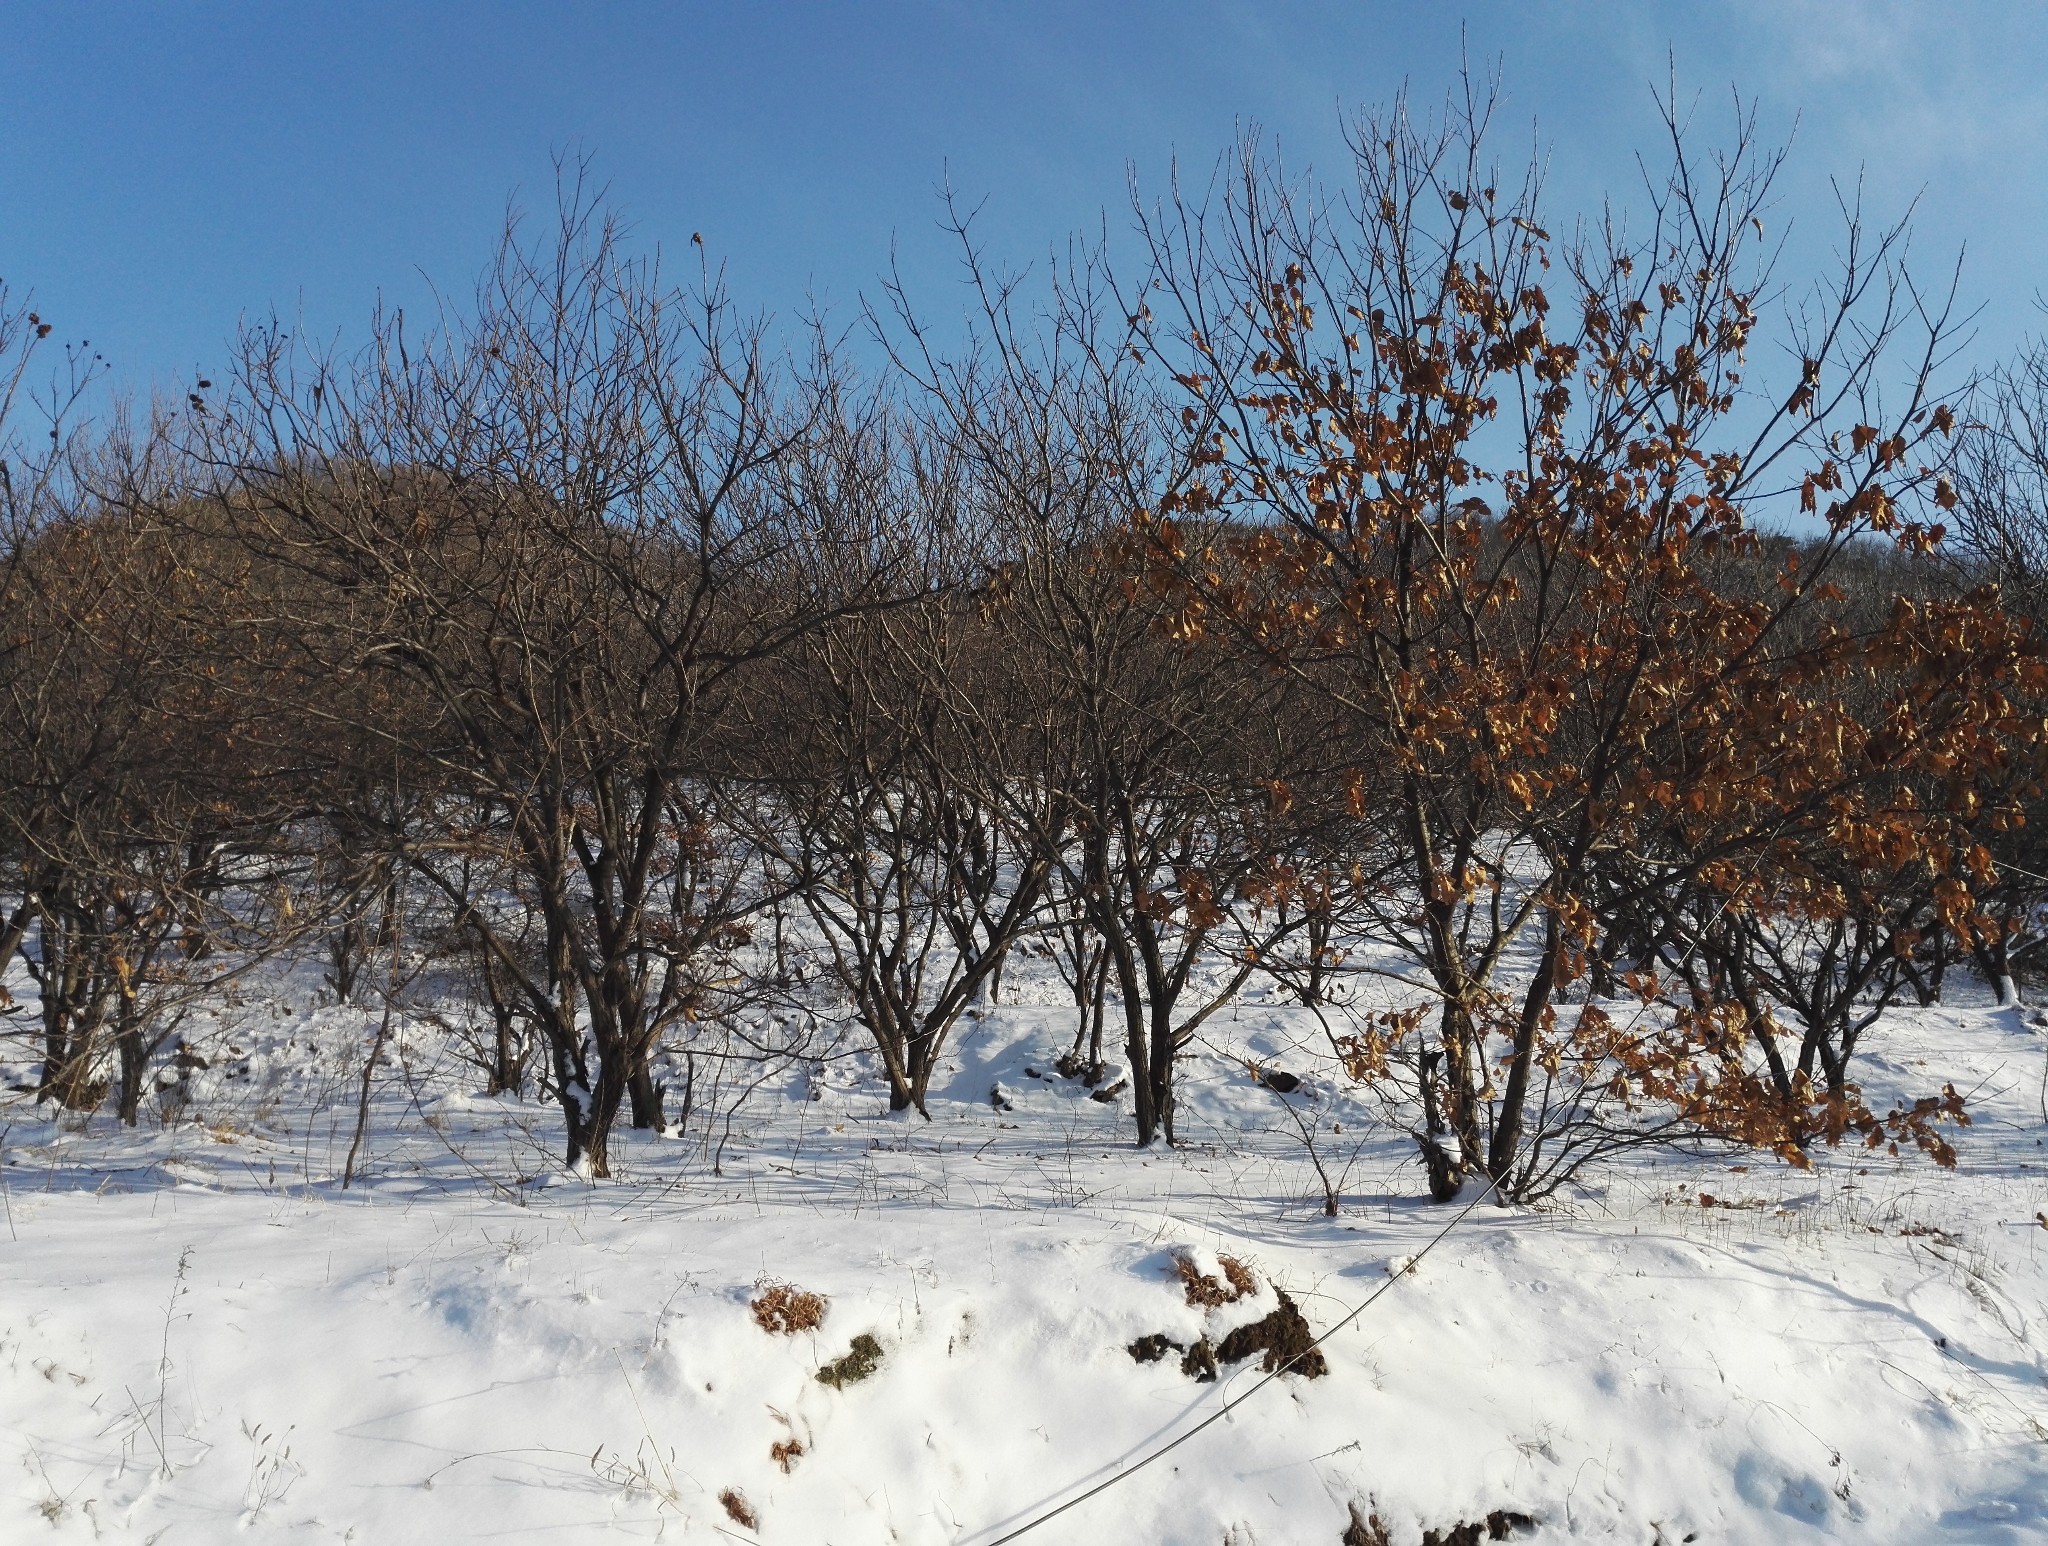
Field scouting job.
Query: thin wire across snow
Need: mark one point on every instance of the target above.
(1235, 1402)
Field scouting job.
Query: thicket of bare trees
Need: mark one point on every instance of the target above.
(1366, 570)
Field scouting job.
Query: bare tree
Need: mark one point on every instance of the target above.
(146, 826)
(1120, 797)
(1999, 537)
(37, 428)
(894, 824)
(565, 526)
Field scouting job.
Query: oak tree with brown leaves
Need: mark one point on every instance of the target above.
(1498, 493)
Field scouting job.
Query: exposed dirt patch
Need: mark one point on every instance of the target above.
(1283, 1337)
(863, 1358)
(1365, 1530)
(1197, 1362)
(1153, 1348)
(1284, 1340)
(1071, 1065)
(1278, 1080)
(1500, 1525)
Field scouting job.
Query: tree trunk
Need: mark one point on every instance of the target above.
(74, 1013)
(1136, 1053)
(508, 1058)
(68, 1077)
(1507, 1130)
(1098, 1013)
(1995, 962)
(590, 1108)
(134, 1069)
(345, 950)
(508, 1063)
(1160, 1073)
(1460, 1097)
(645, 1096)
(1444, 1176)
(606, 1097)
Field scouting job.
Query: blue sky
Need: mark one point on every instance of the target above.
(167, 168)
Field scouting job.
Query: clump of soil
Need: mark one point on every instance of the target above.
(1278, 1080)
(1283, 1337)
(783, 1309)
(1205, 1290)
(1071, 1065)
(1153, 1348)
(1200, 1363)
(863, 1359)
(738, 1509)
(1197, 1362)
(1498, 1526)
(1285, 1340)
(1365, 1530)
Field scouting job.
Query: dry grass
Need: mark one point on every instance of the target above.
(783, 1309)
(1206, 1290)
(738, 1509)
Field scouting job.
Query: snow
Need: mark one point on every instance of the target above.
(203, 1336)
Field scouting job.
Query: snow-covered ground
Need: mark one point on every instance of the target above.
(204, 1337)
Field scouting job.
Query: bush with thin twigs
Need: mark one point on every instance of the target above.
(1206, 1290)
